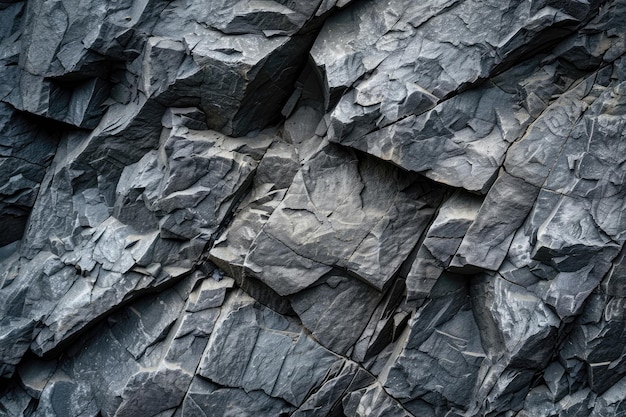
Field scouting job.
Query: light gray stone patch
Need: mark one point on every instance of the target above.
(369, 230)
(534, 155)
(408, 69)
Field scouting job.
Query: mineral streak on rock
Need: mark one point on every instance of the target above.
(324, 208)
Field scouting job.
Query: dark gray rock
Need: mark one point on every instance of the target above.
(326, 401)
(517, 323)
(35, 374)
(442, 241)
(152, 392)
(152, 346)
(312, 208)
(15, 336)
(440, 354)
(14, 401)
(273, 176)
(67, 398)
(254, 348)
(386, 324)
(342, 211)
(24, 156)
(533, 157)
(389, 67)
(373, 401)
(336, 296)
(488, 238)
(463, 140)
(205, 399)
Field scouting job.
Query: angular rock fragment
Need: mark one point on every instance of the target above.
(400, 70)
(488, 238)
(386, 324)
(35, 374)
(24, 156)
(533, 157)
(207, 399)
(110, 262)
(442, 240)
(373, 401)
(14, 401)
(519, 332)
(272, 178)
(15, 336)
(153, 392)
(440, 354)
(336, 296)
(326, 401)
(67, 398)
(153, 346)
(256, 349)
(341, 211)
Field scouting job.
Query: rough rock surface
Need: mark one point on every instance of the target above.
(312, 208)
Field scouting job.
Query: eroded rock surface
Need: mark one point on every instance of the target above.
(312, 208)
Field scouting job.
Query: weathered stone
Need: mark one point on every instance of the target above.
(463, 140)
(15, 336)
(256, 349)
(35, 374)
(151, 392)
(441, 351)
(206, 399)
(373, 401)
(515, 323)
(14, 401)
(336, 296)
(273, 176)
(24, 156)
(533, 157)
(385, 325)
(442, 240)
(67, 398)
(488, 238)
(400, 70)
(312, 208)
(370, 231)
(326, 400)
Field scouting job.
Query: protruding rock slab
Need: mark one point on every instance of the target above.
(346, 211)
(254, 348)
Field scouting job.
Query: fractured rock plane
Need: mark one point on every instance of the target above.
(312, 208)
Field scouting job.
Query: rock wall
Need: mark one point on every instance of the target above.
(312, 208)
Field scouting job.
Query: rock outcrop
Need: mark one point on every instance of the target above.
(312, 208)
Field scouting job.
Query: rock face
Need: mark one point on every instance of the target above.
(312, 208)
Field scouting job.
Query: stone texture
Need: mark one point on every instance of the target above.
(341, 211)
(445, 234)
(254, 348)
(24, 156)
(323, 208)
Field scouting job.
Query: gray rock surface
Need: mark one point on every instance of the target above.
(325, 208)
